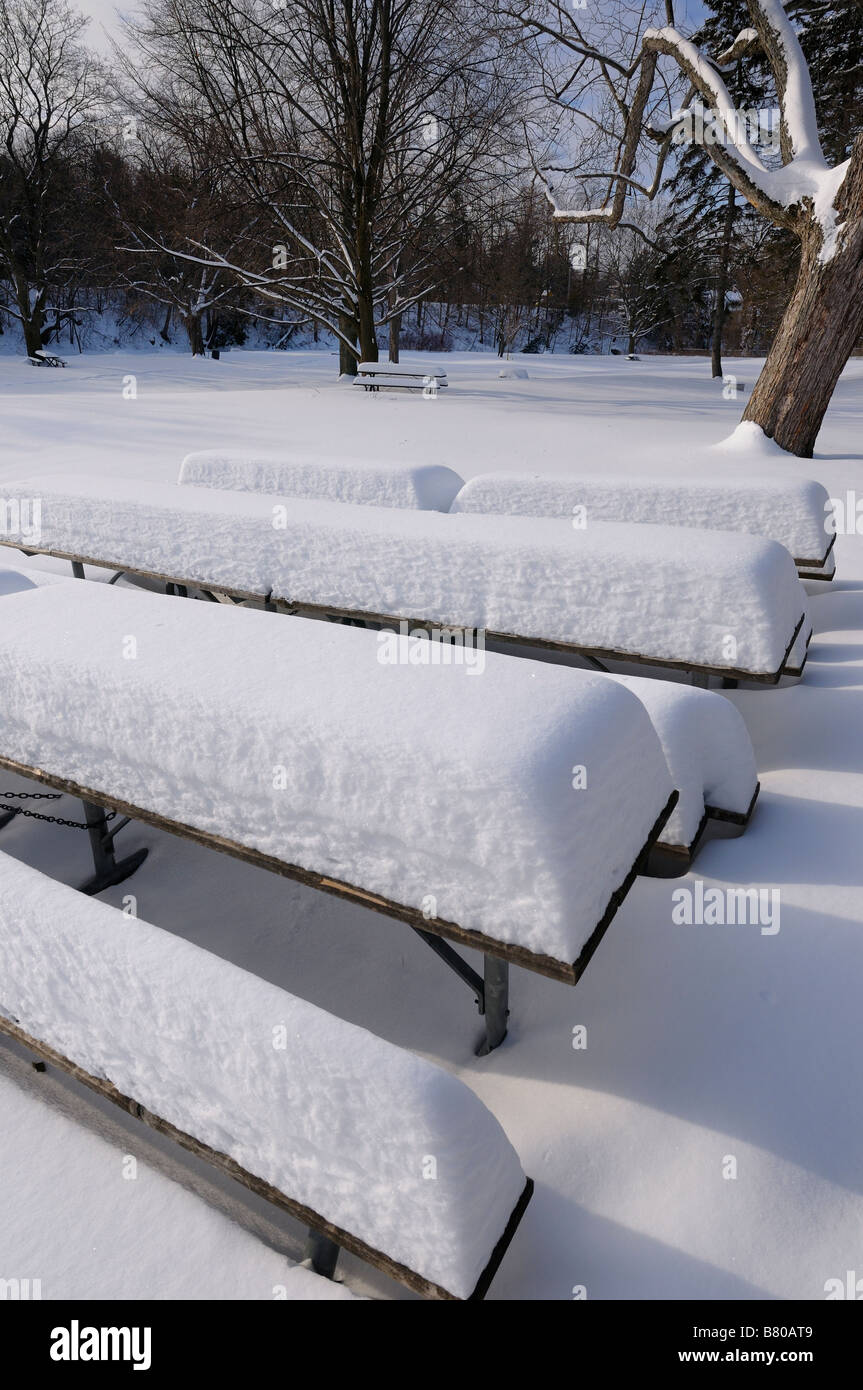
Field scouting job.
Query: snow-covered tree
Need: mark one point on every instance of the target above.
(784, 174)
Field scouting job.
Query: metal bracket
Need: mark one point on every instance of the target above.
(491, 990)
(592, 661)
(109, 871)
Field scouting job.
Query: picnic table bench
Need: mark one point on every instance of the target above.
(371, 376)
(317, 1116)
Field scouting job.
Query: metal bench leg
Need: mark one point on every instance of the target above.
(6, 817)
(77, 570)
(496, 1000)
(729, 683)
(491, 989)
(321, 1254)
(109, 870)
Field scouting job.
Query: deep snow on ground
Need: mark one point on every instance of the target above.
(703, 1042)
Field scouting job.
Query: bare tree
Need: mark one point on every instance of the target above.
(796, 189)
(163, 195)
(50, 94)
(346, 124)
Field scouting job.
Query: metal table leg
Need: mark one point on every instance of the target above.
(109, 870)
(321, 1253)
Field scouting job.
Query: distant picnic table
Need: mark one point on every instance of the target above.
(373, 375)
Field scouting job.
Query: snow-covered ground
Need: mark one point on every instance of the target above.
(704, 1043)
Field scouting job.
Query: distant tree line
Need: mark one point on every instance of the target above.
(365, 170)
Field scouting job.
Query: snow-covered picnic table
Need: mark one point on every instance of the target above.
(446, 801)
(709, 602)
(395, 375)
(796, 512)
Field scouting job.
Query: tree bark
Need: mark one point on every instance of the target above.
(365, 293)
(348, 360)
(819, 330)
(31, 312)
(192, 325)
(395, 336)
(32, 337)
(720, 309)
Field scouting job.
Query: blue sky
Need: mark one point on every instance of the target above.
(104, 16)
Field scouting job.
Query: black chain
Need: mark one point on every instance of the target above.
(37, 815)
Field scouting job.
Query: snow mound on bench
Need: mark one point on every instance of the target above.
(714, 599)
(326, 1112)
(447, 792)
(707, 748)
(788, 510)
(426, 487)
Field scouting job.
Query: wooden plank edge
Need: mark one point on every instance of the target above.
(299, 609)
(589, 947)
(817, 564)
(497, 1254)
(741, 818)
(672, 861)
(466, 936)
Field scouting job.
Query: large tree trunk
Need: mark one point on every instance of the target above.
(347, 359)
(194, 329)
(366, 321)
(32, 337)
(720, 309)
(395, 336)
(819, 330)
(368, 342)
(30, 309)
